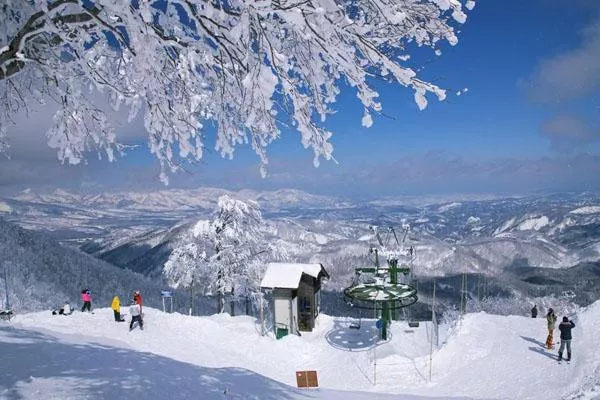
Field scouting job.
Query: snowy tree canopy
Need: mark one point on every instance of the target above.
(250, 67)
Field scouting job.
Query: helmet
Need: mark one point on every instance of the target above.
(137, 292)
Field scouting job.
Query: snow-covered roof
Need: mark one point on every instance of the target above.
(287, 275)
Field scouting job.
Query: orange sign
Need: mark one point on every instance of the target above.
(307, 379)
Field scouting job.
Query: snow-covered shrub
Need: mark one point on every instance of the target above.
(450, 317)
(520, 305)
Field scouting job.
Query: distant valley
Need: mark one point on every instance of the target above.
(525, 245)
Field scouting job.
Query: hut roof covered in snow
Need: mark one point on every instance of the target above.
(288, 275)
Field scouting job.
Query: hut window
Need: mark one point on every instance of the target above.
(305, 303)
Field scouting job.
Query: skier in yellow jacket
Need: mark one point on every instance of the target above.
(551, 319)
(116, 306)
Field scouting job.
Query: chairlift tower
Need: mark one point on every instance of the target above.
(378, 287)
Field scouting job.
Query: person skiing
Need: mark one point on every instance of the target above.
(116, 307)
(534, 311)
(136, 315)
(565, 337)
(551, 319)
(137, 297)
(86, 297)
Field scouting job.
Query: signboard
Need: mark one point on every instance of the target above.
(166, 293)
(379, 324)
(307, 379)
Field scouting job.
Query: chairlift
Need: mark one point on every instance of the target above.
(411, 322)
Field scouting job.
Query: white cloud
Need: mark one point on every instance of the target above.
(567, 132)
(570, 75)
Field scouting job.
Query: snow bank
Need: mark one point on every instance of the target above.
(486, 356)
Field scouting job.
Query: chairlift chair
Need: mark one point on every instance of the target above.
(411, 323)
(354, 324)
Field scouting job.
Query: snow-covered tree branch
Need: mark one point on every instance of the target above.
(250, 67)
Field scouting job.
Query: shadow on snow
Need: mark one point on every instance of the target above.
(342, 337)
(540, 349)
(35, 363)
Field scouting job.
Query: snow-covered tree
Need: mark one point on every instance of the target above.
(227, 254)
(250, 67)
(184, 266)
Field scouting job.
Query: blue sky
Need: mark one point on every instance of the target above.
(528, 122)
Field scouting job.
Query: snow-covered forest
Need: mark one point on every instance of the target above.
(42, 274)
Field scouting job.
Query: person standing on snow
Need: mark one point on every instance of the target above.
(534, 311)
(551, 319)
(86, 297)
(565, 337)
(116, 307)
(136, 315)
(137, 297)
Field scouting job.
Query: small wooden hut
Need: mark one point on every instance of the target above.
(296, 293)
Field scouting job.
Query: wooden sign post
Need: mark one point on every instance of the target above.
(307, 379)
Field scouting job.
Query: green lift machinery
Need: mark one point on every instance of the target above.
(386, 288)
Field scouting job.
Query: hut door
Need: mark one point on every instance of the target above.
(283, 311)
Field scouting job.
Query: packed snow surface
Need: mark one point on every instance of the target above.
(89, 356)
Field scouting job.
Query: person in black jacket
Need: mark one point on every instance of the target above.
(565, 337)
(534, 311)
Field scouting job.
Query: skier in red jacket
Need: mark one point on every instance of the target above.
(137, 297)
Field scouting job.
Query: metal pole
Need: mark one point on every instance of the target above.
(262, 315)
(432, 328)
(163, 301)
(376, 331)
(6, 287)
(191, 297)
(375, 359)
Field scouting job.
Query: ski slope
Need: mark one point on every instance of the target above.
(89, 356)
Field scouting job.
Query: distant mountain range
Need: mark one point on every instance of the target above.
(515, 243)
(452, 235)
